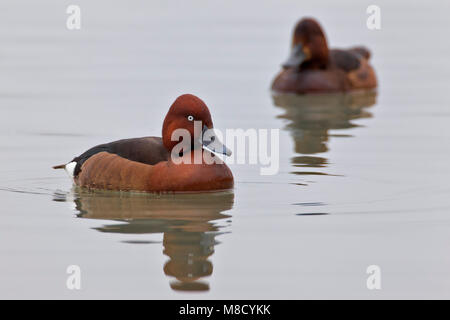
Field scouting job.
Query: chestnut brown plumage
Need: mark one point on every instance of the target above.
(146, 164)
(313, 68)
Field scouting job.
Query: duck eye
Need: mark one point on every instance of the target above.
(190, 118)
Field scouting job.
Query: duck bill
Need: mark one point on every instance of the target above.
(295, 58)
(212, 143)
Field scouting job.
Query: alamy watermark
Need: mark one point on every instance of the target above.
(251, 146)
(373, 282)
(73, 21)
(73, 281)
(374, 20)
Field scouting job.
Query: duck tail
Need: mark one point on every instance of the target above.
(69, 168)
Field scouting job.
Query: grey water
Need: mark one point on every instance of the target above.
(363, 178)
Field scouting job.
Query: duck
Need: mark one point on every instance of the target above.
(314, 68)
(160, 164)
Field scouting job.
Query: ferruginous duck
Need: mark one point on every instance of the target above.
(313, 68)
(153, 164)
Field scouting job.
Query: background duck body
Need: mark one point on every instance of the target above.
(310, 81)
(313, 68)
(354, 63)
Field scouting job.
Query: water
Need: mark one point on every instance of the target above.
(363, 179)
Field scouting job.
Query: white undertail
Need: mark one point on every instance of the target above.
(70, 168)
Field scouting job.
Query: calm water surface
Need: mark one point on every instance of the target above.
(363, 178)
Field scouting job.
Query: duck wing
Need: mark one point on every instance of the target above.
(346, 60)
(362, 51)
(354, 62)
(147, 150)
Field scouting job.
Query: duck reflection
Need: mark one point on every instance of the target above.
(312, 116)
(189, 223)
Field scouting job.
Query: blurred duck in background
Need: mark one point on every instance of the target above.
(313, 68)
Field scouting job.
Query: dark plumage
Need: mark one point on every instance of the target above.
(345, 60)
(148, 150)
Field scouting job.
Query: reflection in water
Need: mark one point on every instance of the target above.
(188, 222)
(312, 116)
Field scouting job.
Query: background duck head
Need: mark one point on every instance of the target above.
(309, 46)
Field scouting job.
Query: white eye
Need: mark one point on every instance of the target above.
(190, 118)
